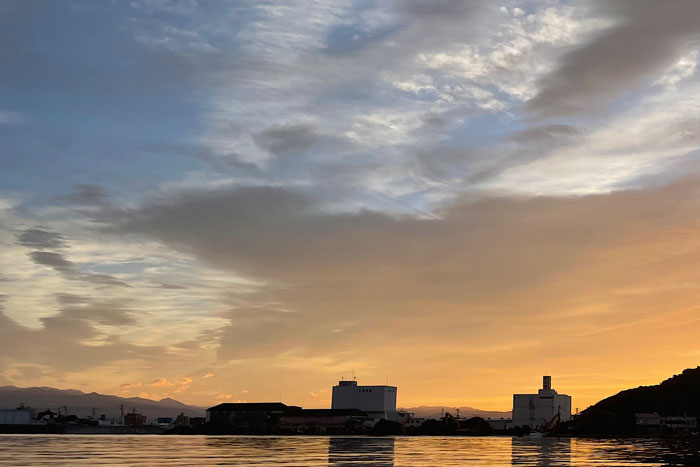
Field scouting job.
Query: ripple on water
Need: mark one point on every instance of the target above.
(115, 450)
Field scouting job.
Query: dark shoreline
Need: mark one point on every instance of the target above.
(148, 430)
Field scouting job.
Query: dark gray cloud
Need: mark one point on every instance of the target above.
(226, 162)
(38, 237)
(164, 285)
(69, 270)
(71, 299)
(87, 195)
(546, 132)
(46, 239)
(423, 10)
(53, 260)
(286, 138)
(241, 213)
(108, 312)
(647, 36)
(101, 279)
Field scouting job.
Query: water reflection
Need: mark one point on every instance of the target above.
(546, 452)
(344, 452)
(318, 451)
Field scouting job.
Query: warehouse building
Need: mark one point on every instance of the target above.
(249, 416)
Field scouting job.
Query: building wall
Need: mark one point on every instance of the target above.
(348, 395)
(15, 417)
(134, 419)
(536, 410)
(500, 423)
(258, 420)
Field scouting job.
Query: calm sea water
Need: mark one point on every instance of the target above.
(22, 450)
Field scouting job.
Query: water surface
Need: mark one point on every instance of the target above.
(32, 450)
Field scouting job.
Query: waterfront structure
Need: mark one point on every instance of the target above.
(134, 419)
(164, 422)
(499, 424)
(248, 416)
(197, 421)
(377, 401)
(654, 423)
(322, 420)
(543, 409)
(19, 416)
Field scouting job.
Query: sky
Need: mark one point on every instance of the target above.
(250, 200)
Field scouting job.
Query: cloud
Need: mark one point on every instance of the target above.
(59, 344)
(40, 238)
(382, 278)
(160, 383)
(53, 260)
(286, 138)
(10, 118)
(87, 195)
(46, 239)
(646, 37)
(258, 332)
(108, 312)
(127, 386)
(69, 270)
(173, 387)
(171, 286)
(546, 132)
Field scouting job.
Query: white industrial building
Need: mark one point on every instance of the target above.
(541, 409)
(377, 401)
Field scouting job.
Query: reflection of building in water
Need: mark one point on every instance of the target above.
(346, 452)
(376, 401)
(544, 451)
(541, 409)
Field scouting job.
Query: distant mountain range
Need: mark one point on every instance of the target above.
(677, 396)
(464, 412)
(82, 404)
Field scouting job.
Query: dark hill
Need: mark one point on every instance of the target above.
(677, 396)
